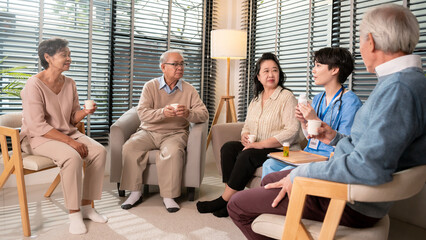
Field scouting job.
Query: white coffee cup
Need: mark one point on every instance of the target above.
(251, 138)
(313, 126)
(303, 99)
(89, 104)
(175, 105)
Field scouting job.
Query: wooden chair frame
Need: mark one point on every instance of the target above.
(338, 192)
(14, 165)
(404, 184)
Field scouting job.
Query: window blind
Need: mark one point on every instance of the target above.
(320, 36)
(293, 31)
(302, 27)
(418, 7)
(245, 82)
(18, 44)
(143, 30)
(86, 25)
(209, 65)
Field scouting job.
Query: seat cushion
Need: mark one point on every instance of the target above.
(152, 156)
(34, 162)
(272, 225)
(258, 172)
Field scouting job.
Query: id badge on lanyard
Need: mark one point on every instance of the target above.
(313, 143)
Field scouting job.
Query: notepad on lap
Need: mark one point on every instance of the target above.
(297, 157)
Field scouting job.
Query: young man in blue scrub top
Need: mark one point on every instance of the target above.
(336, 106)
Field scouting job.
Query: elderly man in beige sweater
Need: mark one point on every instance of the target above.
(166, 107)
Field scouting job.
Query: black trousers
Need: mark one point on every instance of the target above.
(238, 166)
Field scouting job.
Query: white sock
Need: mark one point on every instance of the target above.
(76, 223)
(133, 197)
(90, 213)
(170, 203)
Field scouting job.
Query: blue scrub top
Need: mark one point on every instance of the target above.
(340, 121)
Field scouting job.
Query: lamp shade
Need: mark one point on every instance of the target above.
(228, 43)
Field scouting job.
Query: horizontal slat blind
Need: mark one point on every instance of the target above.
(320, 36)
(18, 42)
(418, 7)
(293, 43)
(153, 34)
(150, 41)
(333, 23)
(245, 82)
(210, 69)
(70, 20)
(186, 35)
(121, 81)
(100, 72)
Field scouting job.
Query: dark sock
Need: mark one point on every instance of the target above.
(221, 212)
(211, 206)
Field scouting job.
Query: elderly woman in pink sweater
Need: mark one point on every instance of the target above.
(50, 112)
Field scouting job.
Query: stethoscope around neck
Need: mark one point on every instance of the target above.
(321, 116)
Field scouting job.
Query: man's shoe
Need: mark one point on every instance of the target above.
(128, 206)
(172, 210)
(171, 205)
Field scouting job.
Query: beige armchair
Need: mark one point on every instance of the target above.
(225, 132)
(193, 173)
(405, 184)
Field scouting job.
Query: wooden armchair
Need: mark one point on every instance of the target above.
(405, 184)
(19, 163)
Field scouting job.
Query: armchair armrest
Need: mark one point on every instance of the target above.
(405, 184)
(120, 132)
(127, 124)
(222, 133)
(338, 192)
(196, 154)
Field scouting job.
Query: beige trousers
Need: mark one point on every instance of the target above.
(169, 161)
(71, 166)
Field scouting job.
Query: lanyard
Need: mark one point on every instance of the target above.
(322, 113)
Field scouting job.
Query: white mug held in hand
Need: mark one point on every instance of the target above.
(303, 99)
(175, 105)
(89, 104)
(313, 126)
(251, 138)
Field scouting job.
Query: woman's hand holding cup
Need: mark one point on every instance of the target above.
(251, 138)
(89, 106)
(299, 116)
(245, 139)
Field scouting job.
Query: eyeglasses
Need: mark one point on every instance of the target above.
(176, 65)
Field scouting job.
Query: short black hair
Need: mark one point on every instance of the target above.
(51, 47)
(336, 57)
(258, 87)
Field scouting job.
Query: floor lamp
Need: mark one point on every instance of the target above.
(227, 44)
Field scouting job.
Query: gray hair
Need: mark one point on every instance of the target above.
(394, 28)
(51, 47)
(165, 56)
